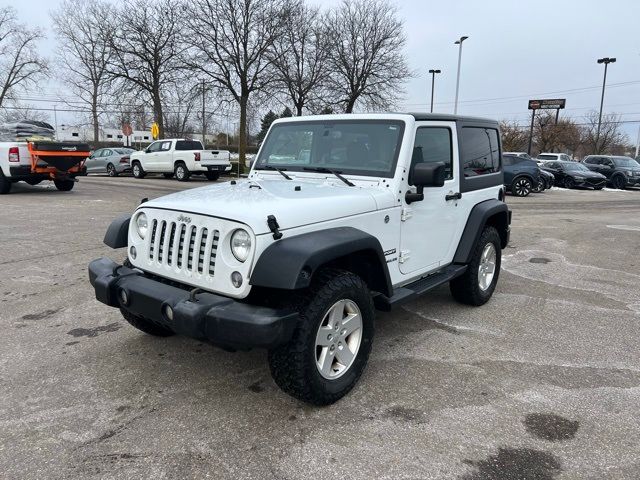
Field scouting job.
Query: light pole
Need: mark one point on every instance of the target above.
(433, 81)
(606, 61)
(458, 42)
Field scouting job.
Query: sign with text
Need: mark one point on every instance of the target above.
(549, 104)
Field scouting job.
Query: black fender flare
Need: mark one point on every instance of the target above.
(290, 263)
(117, 235)
(490, 212)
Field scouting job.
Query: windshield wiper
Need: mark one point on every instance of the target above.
(279, 170)
(328, 170)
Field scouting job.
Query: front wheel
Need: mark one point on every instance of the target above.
(330, 346)
(476, 285)
(64, 185)
(618, 182)
(181, 172)
(521, 187)
(137, 170)
(111, 170)
(569, 183)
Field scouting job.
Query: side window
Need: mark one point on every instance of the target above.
(165, 146)
(480, 151)
(106, 153)
(433, 144)
(154, 147)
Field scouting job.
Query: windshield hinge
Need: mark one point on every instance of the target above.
(406, 214)
(404, 256)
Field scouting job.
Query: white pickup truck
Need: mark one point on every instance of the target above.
(180, 157)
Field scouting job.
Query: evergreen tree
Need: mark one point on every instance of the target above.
(265, 123)
(286, 113)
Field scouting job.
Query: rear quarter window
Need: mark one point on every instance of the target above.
(480, 151)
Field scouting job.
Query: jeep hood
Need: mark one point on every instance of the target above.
(251, 201)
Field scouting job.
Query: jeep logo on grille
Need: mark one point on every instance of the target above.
(184, 219)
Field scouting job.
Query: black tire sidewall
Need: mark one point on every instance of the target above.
(185, 175)
(618, 182)
(569, 183)
(5, 184)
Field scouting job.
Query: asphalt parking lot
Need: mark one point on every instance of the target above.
(541, 383)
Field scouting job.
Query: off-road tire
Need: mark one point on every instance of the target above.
(167, 175)
(111, 170)
(137, 170)
(293, 365)
(64, 185)
(5, 184)
(521, 186)
(212, 176)
(618, 182)
(466, 289)
(181, 172)
(145, 325)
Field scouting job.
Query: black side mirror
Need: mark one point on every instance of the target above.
(425, 175)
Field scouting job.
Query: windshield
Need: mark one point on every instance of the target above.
(548, 157)
(574, 166)
(625, 162)
(354, 147)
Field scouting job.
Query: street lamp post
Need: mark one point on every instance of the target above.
(458, 42)
(433, 81)
(606, 61)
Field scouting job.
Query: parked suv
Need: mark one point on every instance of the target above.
(340, 215)
(551, 157)
(621, 172)
(521, 176)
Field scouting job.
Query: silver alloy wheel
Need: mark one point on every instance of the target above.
(179, 172)
(111, 170)
(136, 170)
(487, 267)
(338, 339)
(522, 187)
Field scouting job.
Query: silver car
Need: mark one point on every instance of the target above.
(111, 161)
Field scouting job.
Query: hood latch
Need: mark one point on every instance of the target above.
(274, 227)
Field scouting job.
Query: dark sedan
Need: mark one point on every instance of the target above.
(621, 172)
(574, 174)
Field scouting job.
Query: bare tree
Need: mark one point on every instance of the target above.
(182, 99)
(366, 57)
(84, 52)
(610, 132)
(14, 111)
(20, 64)
(233, 48)
(301, 55)
(145, 38)
(514, 137)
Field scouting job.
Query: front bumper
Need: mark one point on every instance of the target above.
(633, 181)
(209, 317)
(590, 182)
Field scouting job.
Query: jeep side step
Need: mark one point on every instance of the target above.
(417, 288)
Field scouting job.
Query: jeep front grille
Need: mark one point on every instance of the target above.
(183, 247)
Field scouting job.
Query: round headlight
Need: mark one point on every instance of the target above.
(142, 225)
(241, 244)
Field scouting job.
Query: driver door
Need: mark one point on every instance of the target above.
(429, 227)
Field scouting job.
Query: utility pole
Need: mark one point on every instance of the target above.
(458, 42)
(638, 143)
(55, 121)
(533, 116)
(433, 81)
(606, 61)
(204, 120)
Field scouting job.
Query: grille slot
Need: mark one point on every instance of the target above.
(214, 249)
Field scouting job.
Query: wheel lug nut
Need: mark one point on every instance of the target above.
(343, 331)
(329, 337)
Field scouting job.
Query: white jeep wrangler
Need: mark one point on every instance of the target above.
(340, 215)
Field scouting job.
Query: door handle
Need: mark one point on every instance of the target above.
(453, 196)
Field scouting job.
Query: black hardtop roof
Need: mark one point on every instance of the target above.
(447, 117)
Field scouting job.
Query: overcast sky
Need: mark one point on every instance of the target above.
(516, 50)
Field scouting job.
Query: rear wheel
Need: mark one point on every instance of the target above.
(476, 285)
(540, 186)
(64, 185)
(330, 347)
(137, 170)
(145, 325)
(618, 182)
(181, 172)
(569, 182)
(5, 184)
(213, 176)
(111, 170)
(521, 187)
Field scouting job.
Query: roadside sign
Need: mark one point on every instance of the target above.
(155, 130)
(126, 129)
(549, 104)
